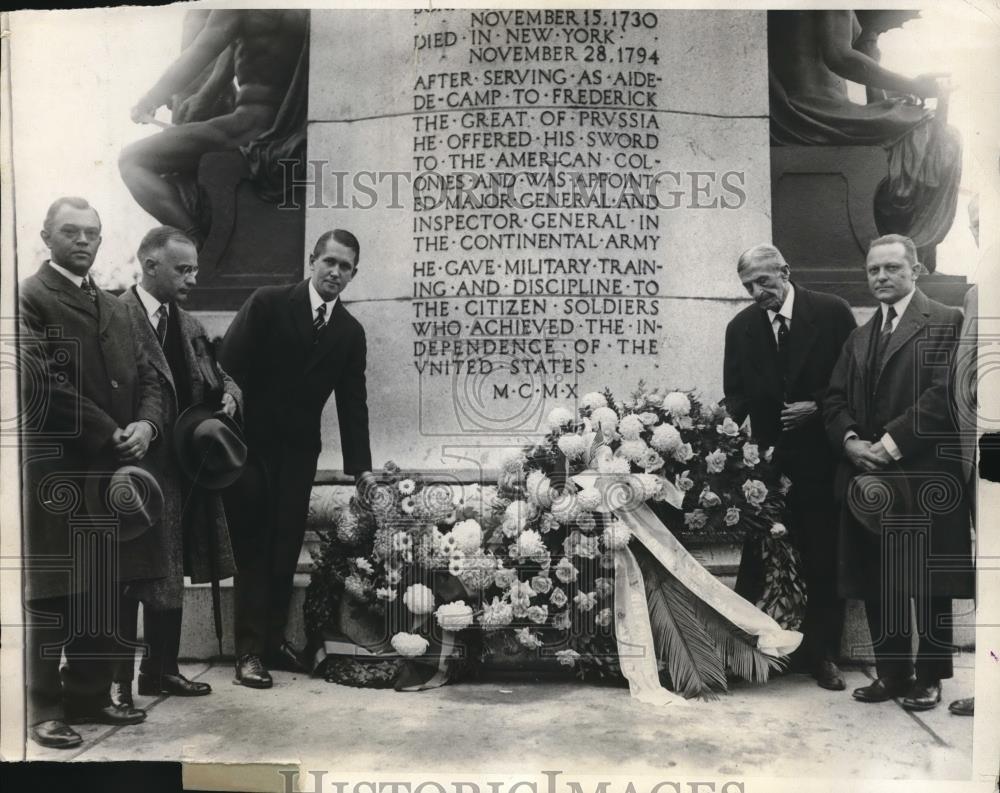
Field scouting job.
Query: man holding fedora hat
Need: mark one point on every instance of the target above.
(289, 348)
(90, 408)
(202, 452)
(904, 524)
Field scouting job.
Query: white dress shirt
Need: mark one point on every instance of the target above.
(76, 279)
(151, 304)
(785, 311)
(315, 301)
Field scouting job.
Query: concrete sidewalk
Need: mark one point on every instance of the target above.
(790, 727)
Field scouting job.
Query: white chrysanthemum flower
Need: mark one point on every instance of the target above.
(419, 599)
(567, 657)
(538, 488)
(513, 462)
(357, 586)
(677, 403)
(407, 505)
(665, 438)
(393, 577)
(565, 571)
(409, 644)
(528, 544)
(386, 593)
(586, 522)
(649, 484)
(633, 451)
(616, 535)
(564, 508)
(559, 417)
(497, 614)
(606, 419)
(572, 445)
(468, 535)
(456, 562)
(478, 572)
(588, 499)
(454, 616)
(648, 419)
(614, 466)
(630, 427)
(406, 487)
(593, 401)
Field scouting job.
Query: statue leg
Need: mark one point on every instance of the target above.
(175, 150)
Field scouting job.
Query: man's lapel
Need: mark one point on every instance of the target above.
(68, 293)
(802, 334)
(862, 341)
(911, 323)
(763, 348)
(301, 312)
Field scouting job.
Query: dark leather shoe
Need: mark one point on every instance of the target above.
(109, 714)
(923, 696)
(251, 672)
(883, 689)
(121, 695)
(286, 658)
(963, 707)
(828, 676)
(175, 685)
(55, 735)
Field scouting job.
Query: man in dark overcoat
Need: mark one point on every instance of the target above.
(779, 354)
(289, 348)
(904, 535)
(195, 527)
(90, 403)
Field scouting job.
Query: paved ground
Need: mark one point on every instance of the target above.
(789, 728)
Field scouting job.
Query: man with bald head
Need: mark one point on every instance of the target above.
(779, 354)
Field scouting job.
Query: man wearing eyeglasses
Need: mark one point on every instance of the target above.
(89, 404)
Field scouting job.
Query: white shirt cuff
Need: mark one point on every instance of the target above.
(850, 434)
(890, 446)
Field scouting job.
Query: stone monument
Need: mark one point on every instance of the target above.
(548, 203)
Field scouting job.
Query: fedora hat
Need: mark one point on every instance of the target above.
(209, 447)
(130, 495)
(874, 496)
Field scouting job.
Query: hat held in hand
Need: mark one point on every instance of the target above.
(130, 495)
(874, 497)
(209, 446)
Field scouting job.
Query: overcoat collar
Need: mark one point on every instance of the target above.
(913, 320)
(74, 297)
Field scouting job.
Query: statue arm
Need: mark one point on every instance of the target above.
(839, 55)
(198, 106)
(219, 32)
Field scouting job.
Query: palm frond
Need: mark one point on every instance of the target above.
(689, 652)
(737, 648)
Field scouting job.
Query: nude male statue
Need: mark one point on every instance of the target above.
(265, 47)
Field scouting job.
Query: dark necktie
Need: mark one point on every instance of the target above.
(89, 289)
(883, 339)
(161, 323)
(782, 345)
(319, 322)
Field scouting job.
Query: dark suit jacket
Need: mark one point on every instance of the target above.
(83, 375)
(909, 397)
(192, 560)
(286, 379)
(753, 384)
